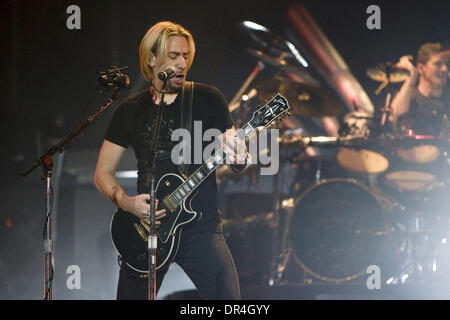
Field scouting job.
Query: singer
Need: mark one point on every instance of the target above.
(423, 102)
(166, 54)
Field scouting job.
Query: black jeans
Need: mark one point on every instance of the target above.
(206, 259)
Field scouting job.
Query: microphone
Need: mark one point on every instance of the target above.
(166, 74)
(114, 79)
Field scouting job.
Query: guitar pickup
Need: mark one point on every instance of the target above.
(170, 204)
(140, 231)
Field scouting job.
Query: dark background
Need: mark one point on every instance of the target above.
(48, 78)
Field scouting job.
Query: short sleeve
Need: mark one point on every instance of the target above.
(117, 131)
(222, 115)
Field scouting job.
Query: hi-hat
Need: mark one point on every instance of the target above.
(387, 73)
(305, 100)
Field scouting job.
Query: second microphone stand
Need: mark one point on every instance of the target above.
(47, 164)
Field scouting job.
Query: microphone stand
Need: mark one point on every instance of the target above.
(47, 165)
(152, 240)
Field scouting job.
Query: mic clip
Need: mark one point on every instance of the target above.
(113, 79)
(166, 74)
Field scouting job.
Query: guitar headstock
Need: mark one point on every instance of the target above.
(270, 115)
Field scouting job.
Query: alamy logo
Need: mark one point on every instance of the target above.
(74, 20)
(259, 146)
(374, 280)
(374, 20)
(74, 280)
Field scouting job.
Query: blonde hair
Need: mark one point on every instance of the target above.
(154, 45)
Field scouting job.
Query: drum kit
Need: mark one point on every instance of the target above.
(383, 200)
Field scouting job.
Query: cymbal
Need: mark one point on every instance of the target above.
(265, 39)
(273, 44)
(304, 100)
(284, 64)
(380, 73)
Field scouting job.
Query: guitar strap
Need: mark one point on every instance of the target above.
(187, 97)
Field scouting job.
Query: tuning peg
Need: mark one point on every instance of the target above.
(274, 124)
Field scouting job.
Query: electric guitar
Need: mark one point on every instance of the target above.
(130, 234)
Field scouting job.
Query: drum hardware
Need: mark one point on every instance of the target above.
(355, 154)
(274, 277)
(421, 247)
(285, 252)
(239, 97)
(244, 222)
(301, 141)
(426, 221)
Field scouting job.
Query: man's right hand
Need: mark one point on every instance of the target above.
(405, 62)
(139, 206)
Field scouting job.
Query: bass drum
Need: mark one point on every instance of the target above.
(338, 230)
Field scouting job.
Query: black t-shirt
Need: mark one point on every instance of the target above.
(427, 115)
(133, 125)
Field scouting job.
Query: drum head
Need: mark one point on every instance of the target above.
(410, 180)
(362, 161)
(419, 154)
(336, 230)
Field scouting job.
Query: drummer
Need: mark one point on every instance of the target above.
(423, 102)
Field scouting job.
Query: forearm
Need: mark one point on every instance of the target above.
(110, 188)
(402, 101)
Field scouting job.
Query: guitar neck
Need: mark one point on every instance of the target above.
(210, 165)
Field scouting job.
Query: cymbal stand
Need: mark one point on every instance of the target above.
(276, 221)
(381, 117)
(234, 103)
(412, 268)
(280, 250)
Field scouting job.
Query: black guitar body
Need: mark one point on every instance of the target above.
(129, 233)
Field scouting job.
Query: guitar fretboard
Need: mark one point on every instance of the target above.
(263, 117)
